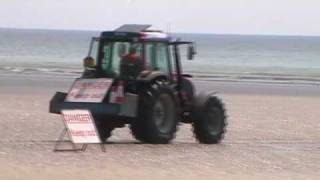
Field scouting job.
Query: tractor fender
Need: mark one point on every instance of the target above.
(200, 102)
(201, 99)
(148, 76)
(198, 105)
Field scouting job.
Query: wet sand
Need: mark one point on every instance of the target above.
(273, 133)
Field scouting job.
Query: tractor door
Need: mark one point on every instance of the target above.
(157, 58)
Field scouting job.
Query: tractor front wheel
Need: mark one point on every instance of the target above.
(210, 121)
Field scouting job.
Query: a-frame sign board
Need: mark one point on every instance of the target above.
(79, 128)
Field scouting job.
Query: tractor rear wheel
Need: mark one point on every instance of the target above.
(210, 121)
(157, 115)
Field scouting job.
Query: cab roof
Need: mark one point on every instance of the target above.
(136, 32)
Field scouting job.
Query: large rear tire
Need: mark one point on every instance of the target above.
(157, 115)
(210, 121)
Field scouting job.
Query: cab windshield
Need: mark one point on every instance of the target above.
(112, 54)
(109, 55)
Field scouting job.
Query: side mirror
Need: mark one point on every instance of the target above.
(191, 51)
(121, 49)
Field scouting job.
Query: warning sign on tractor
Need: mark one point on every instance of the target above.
(89, 90)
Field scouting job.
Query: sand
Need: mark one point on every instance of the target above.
(273, 133)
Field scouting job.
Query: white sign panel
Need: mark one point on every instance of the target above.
(81, 126)
(89, 90)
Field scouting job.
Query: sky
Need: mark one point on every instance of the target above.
(274, 17)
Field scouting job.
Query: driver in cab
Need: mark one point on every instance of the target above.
(131, 65)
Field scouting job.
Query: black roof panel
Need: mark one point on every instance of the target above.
(132, 28)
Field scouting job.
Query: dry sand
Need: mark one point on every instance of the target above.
(270, 136)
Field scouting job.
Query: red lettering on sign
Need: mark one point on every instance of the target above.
(91, 85)
(83, 133)
(96, 96)
(77, 118)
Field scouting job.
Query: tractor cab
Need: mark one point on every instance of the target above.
(131, 51)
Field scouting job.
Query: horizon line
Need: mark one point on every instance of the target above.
(200, 33)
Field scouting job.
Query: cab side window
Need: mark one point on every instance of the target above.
(106, 57)
(157, 57)
(150, 58)
(162, 57)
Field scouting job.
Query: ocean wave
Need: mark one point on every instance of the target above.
(260, 78)
(223, 77)
(40, 70)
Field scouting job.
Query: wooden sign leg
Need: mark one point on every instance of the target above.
(103, 149)
(61, 139)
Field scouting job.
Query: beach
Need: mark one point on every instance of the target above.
(273, 133)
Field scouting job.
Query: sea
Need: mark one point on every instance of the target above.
(239, 58)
